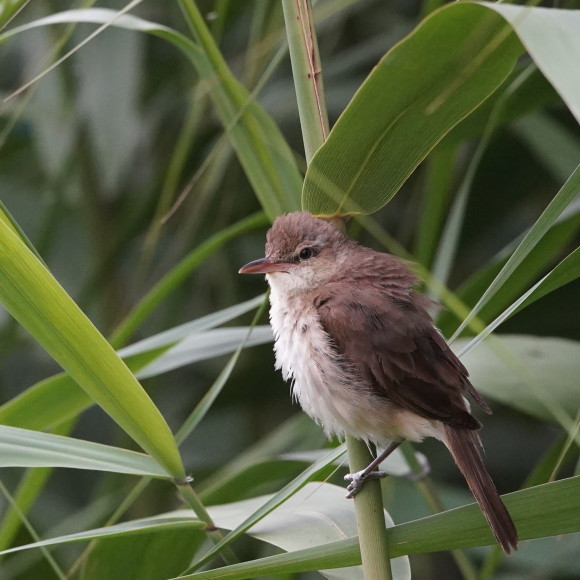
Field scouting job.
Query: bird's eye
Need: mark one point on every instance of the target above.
(306, 253)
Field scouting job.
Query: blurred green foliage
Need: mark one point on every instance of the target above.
(93, 157)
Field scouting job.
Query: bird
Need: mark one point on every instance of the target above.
(357, 342)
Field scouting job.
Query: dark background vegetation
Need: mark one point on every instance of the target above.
(85, 153)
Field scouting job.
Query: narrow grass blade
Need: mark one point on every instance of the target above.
(197, 326)
(285, 493)
(561, 201)
(25, 448)
(565, 272)
(38, 302)
(59, 398)
(178, 520)
(179, 273)
(542, 511)
(205, 345)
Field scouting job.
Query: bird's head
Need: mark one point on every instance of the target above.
(302, 253)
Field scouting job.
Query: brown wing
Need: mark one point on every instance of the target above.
(391, 341)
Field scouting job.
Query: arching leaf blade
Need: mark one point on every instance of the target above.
(31, 294)
(417, 93)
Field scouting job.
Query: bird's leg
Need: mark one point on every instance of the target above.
(357, 479)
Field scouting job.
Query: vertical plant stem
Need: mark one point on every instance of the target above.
(370, 517)
(306, 69)
(213, 533)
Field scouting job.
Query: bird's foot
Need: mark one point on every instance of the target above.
(358, 479)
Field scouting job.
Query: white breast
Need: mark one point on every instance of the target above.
(326, 390)
(299, 338)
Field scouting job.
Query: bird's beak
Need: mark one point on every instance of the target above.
(263, 266)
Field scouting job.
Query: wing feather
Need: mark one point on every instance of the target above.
(388, 337)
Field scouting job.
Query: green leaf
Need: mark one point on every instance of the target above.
(56, 399)
(188, 329)
(551, 38)
(276, 500)
(142, 556)
(179, 273)
(442, 71)
(534, 374)
(25, 448)
(542, 511)
(549, 217)
(46, 404)
(183, 519)
(38, 302)
(264, 154)
(204, 345)
(315, 515)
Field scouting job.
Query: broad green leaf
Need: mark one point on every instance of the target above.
(542, 511)
(25, 448)
(264, 154)
(143, 556)
(317, 515)
(38, 302)
(442, 71)
(314, 516)
(551, 38)
(535, 374)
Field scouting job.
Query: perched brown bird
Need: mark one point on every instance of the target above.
(364, 356)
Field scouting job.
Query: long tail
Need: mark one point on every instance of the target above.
(464, 446)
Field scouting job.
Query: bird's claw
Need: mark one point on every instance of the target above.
(358, 479)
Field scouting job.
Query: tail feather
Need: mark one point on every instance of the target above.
(464, 446)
